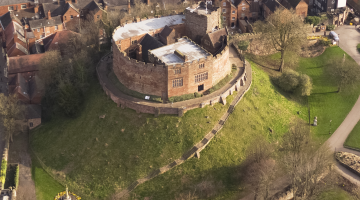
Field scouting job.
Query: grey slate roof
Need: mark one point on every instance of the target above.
(92, 7)
(54, 8)
(33, 111)
(166, 31)
(5, 20)
(117, 2)
(45, 22)
(11, 2)
(149, 43)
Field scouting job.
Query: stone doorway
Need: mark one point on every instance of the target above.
(200, 87)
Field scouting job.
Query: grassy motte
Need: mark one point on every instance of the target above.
(334, 194)
(97, 156)
(353, 140)
(217, 175)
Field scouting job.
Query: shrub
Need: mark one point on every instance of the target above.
(182, 97)
(197, 95)
(330, 27)
(325, 42)
(294, 82)
(358, 47)
(16, 181)
(243, 45)
(312, 20)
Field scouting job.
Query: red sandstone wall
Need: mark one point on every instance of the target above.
(221, 66)
(301, 9)
(138, 76)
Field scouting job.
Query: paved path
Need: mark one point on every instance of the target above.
(349, 38)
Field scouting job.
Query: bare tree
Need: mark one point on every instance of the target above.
(303, 161)
(284, 31)
(343, 72)
(10, 110)
(260, 167)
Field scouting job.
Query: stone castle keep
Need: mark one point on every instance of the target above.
(173, 55)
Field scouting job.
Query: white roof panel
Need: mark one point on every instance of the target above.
(188, 48)
(134, 29)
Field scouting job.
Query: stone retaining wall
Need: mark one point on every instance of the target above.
(142, 106)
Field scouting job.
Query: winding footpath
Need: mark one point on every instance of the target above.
(336, 141)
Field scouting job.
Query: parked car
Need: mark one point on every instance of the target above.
(334, 36)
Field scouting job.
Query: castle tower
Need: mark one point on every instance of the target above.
(201, 20)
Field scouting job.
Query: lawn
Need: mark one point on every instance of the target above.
(98, 156)
(46, 186)
(353, 139)
(216, 175)
(334, 194)
(325, 102)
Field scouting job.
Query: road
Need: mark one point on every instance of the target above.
(349, 38)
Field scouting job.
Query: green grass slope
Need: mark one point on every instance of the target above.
(216, 174)
(98, 156)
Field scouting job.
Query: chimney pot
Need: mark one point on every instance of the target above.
(49, 14)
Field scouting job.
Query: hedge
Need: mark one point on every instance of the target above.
(16, 177)
(358, 47)
(3, 172)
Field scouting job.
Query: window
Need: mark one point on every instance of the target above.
(23, 6)
(233, 18)
(71, 17)
(254, 14)
(134, 42)
(224, 4)
(207, 42)
(31, 124)
(224, 10)
(98, 16)
(242, 15)
(56, 27)
(11, 8)
(201, 77)
(44, 29)
(233, 12)
(177, 71)
(202, 65)
(64, 17)
(224, 18)
(38, 30)
(177, 82)
(243, 8)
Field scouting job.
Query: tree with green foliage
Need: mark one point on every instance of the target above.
(283, 31)
(294, 82)
(345, 73)
(243, 45)
(11, 110)
(330, 27)
(315, 20)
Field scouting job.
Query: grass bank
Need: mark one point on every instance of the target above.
(216, 175)
(96, 156)
(353, 139)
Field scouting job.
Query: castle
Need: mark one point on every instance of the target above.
(173, 55)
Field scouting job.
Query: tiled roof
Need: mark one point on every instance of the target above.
(92, 7)
(217, 35)
(33, 111)
(54, 8)
(11, 2)
(117, 2)
(45, 22)
(52, 42)
(27, 63)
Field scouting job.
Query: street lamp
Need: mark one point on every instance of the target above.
(330, 127)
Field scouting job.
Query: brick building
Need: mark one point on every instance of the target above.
(45, 27)
(229, 13)
(13, 5)
(144, 63)
(299, 6)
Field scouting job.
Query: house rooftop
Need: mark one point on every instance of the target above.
(186, 47)
(40, 23)
(134, 29)
(11, 2)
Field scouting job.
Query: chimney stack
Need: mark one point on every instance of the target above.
(148, 2)
(58, 2)
(49, 14)
(129, 6)
(36, 8)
